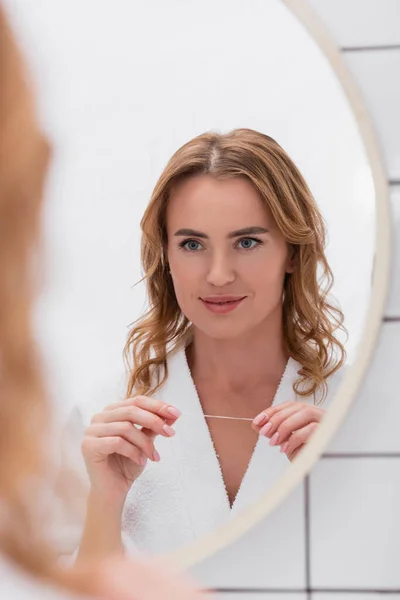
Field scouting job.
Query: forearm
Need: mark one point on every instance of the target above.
(102, 531)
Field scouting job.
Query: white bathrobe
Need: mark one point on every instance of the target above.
(183, 496)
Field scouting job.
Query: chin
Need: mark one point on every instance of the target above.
(223, 331)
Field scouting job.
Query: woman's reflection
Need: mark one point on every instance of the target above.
(236, 357)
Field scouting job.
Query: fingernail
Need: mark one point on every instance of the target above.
(156, 456)
(284, 447)
(168, 430)
(175, 412)
(274, 439)
(264, 430)
(143, 460)
(260, 419)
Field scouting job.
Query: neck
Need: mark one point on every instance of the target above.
(255, 359)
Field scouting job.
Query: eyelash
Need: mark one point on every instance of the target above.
(253, 239)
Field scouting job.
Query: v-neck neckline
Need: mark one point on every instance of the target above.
(247, 472)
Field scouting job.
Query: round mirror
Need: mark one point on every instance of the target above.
(258, 247)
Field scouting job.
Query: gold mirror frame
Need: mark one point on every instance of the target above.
(208, 545)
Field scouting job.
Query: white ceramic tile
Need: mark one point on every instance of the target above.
(361, 22)
(354, 524)
(239, 595)
(377, 74)
(271, 555)
(393, 305)
(352, 596)
(373, 422)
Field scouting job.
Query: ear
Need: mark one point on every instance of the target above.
(290, 261)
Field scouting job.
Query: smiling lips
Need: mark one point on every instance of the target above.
(222, 304)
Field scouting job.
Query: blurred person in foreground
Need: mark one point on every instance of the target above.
(28, 561)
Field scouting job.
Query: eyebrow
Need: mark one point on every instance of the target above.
(238, 233)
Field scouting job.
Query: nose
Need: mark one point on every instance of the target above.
(221, 271)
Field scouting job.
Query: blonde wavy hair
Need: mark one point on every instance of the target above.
(25, 411)
(310, 317)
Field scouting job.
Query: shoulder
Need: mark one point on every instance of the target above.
(335, 380)
(333, 383)
(177, 366)
(15, 583)
(112, 389)
(178, 387)
(176, 357)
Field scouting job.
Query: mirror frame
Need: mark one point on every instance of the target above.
(208, 545)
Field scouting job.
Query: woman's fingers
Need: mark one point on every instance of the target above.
(294, 421)
(297, 440)
(126, 431)
(270, 428)
(165, 411)
(135, 415)
(283, 423)
(100, 448)
(135, 423)
(261, 419)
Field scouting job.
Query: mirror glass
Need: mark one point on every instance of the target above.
(234, 249)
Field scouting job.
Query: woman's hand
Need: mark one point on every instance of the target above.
(289, 425)
(127, 579)
(120, 440)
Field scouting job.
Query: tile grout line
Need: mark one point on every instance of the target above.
(377, 47)
(255, 591)
(307, 536)
(339, 455)
(308, 591)
(382, 591)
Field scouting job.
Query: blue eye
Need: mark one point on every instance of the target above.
(248, 243)
(190, 245)
(244, 244)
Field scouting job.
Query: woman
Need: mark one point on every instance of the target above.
(29, 567)
(239, 326)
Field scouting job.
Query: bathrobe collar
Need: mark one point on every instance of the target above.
(201, 471)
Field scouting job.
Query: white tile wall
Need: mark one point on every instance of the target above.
(373, 422)
(355, 23)
(272, 555)
(352, 534)
(355, 524)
